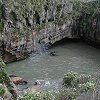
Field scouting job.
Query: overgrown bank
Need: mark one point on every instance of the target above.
(74, 87)
(7, 88)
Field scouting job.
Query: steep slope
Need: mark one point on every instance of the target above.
(24, 24)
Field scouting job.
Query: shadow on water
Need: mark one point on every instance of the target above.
(65, 41)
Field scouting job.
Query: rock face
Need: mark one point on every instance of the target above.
(87, 24)
(25, 24)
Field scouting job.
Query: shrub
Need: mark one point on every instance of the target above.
(13, 16)
(68, 94)
(69, 78)
(83, 78)
(44, 95)
(1, 26)
(2, 64)
(72, 94)
(2, 91)
(87, 86)
(82, 83)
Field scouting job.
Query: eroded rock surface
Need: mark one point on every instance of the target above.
(24, 24)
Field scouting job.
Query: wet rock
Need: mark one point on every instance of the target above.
(31, 89)
(8, 57)
(35, 87)
(17, 80)
(37, 82)
(53, 53)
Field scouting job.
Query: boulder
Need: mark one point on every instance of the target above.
(17, 80)
(53, 53)
(35, 87)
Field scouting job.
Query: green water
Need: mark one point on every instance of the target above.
(71, 56)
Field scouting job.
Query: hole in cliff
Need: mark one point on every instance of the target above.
(43, 21)
(75, 40)
(27, 21)
(37, 17)
(45, 8)
(50, 20)
(64, 41)
(59, 7)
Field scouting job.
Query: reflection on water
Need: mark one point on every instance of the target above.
(71, 56)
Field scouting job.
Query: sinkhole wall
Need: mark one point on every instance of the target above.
(24, 24)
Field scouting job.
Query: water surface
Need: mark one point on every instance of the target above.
(71, 56)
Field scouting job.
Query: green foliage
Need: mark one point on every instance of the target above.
(44, 95)
(15, 33)
(87, 86)
(14, 30)
(2, 91)
(86, 14)
(80, 82)
(83, 78)
(72, 94)
(25, 8)
(1, 26)
(3, 74)
(69, 78)
(69, 94)
(1, 11)
(80, 7)
(63, 19)
(13, 16)
(27, 32)
(59, 21)
(2, 64)
(4, 79)
(41, 26)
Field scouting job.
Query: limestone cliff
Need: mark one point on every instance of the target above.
(87, 24)
(25, 23)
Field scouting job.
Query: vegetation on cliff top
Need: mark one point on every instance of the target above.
(34, 9)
